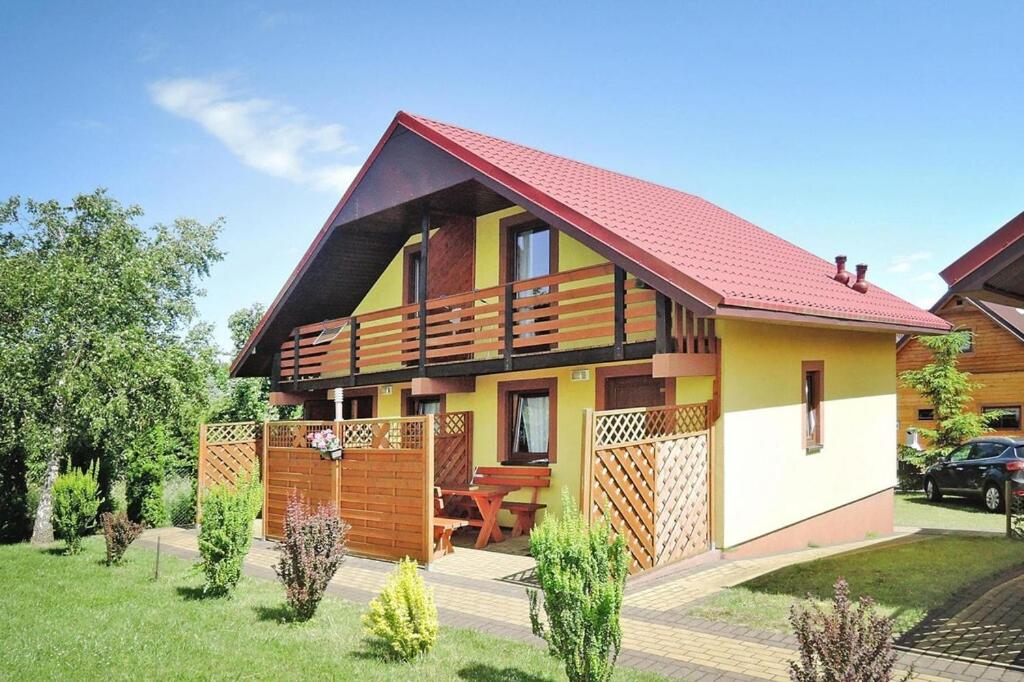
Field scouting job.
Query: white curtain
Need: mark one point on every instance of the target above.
(533, 420)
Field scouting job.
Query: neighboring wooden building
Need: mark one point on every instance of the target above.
(995, 359)
(463, 273)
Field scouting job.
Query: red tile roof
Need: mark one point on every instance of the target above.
(710, 253)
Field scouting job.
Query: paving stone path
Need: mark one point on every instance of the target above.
(484, 591)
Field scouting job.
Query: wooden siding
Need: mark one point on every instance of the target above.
(996, 362)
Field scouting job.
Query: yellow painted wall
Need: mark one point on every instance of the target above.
(765, 480)
(387, 291)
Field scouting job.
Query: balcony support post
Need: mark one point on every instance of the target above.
(509, 310)
(662, 324)
(422, 285)
(353, 351)
(620, 313)
(295, 367)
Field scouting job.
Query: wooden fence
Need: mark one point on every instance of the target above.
(647, 471)
(226, 451)
(453, 448)
(382, 486)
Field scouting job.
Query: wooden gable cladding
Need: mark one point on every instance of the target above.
(995, 348)
(452, 257)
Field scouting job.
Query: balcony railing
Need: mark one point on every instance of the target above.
(568, 310)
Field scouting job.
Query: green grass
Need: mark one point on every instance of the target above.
(953, 513)
(905, 578)
(72, 617)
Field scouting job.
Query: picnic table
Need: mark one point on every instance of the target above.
(488, 499)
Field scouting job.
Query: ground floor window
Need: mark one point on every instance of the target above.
(527, 421)
(1009, 419)
(813, 389)
(420, 405)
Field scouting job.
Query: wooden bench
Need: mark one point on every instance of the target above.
(518, 477)
(444, 526)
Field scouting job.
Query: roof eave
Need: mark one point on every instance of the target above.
(819, 319)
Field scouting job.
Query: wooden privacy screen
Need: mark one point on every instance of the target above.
(383, 485)
(647, 471)
(226, 451)
(453, 448)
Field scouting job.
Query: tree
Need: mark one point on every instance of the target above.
(948, 389)
(95, 315)
(246, 399)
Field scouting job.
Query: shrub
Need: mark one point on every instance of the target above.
(312, 552)
(119, 531)
(225, 533)
(76, 500)
(582, 573)
(144, 492)
(843, 644)
(403, 618)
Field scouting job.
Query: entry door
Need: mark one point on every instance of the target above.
(357, 407)
(633, 391)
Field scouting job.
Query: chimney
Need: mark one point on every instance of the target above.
(861, 285)
(841, 276)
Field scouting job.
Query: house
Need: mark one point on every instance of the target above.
(994, 358)
(994, 269)
(464, 273)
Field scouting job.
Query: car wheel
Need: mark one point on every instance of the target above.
(931, 490)
(993, 498)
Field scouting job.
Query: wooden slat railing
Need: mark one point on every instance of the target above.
(567, 310)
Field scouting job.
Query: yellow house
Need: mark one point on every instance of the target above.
(546, 298)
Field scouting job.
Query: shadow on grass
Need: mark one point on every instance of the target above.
(961, 504)
(194, 593)
(55, 550)
(281, 613)
(490, 673)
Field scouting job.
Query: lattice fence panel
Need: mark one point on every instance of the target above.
(681, 522)
(293, 434)
(453, 443)
(232, 432)
(382, 434)
(617, 427)
(622, 492)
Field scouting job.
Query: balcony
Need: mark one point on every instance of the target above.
(556, 317)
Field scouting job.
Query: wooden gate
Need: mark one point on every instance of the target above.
(226, 451)
(382, 486)
(648, 472)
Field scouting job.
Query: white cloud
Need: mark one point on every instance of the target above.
(266, 135)
(906, 263)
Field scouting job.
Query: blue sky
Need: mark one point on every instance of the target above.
(887, 131)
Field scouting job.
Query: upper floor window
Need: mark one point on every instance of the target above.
(813, 390)
(531, 252)
(968, 346)
(413, 273)
(926, 414)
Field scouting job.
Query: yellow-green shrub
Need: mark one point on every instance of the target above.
(403, 618)
(76, 501)
(225, 532)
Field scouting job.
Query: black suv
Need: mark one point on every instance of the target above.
(978, 468)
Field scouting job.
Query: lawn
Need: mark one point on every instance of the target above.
(954, 513)
(906, 579)
(72, 617)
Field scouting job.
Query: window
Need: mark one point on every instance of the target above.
(968, 346)
(961, 453)
(812, 399)
(1009, 419)
(419, 405)
(987, 450)
(527, 421)
(530, 426)
(413, 271)
(926, 414)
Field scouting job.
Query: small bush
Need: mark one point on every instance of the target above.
(582, 573)
(76, 500)
(403, 618)
(144, 492)
(119, 531)
(225, 533)
(844, 644)
(312, 552)
(180, 502)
